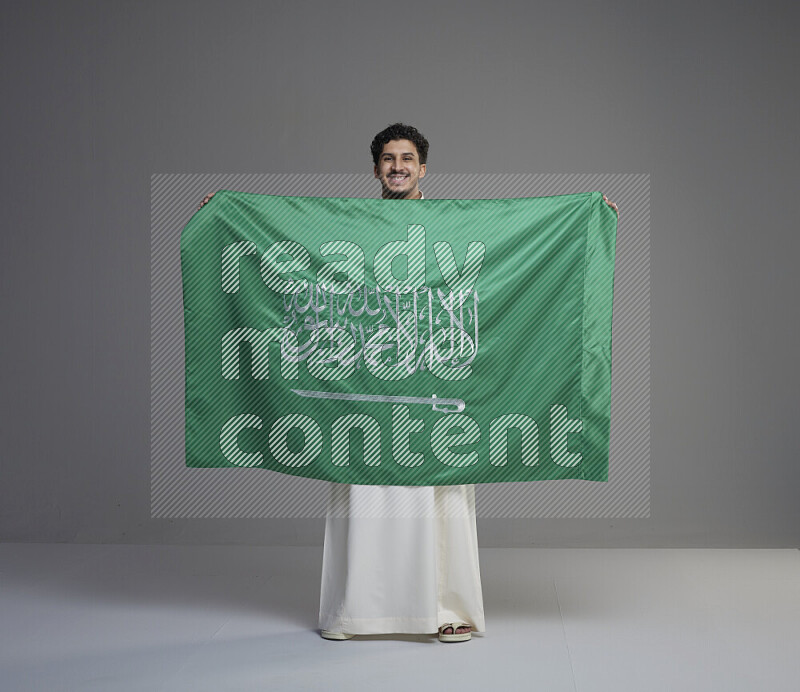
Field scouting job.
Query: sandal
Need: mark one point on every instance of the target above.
(454, 637)
(327, 634)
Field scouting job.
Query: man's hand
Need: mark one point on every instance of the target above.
(206, 199)
(611, 204)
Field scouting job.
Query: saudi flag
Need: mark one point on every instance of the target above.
(400, 342)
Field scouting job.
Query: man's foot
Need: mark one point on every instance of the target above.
(462, 633)
(459, 630)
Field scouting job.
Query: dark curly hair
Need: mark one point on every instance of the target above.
(399, 131)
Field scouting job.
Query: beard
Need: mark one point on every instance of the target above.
(390, 192)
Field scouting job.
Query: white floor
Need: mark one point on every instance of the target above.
(117, 617)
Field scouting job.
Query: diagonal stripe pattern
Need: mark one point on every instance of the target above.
(181, 492)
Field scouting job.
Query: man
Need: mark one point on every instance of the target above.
(390, 574)
(413, 568)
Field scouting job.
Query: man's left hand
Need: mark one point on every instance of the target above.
(611, 204)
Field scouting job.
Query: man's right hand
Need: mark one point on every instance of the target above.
(206, 199)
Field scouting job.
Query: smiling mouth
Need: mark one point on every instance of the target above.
(397, 178)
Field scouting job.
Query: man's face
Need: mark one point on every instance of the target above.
(399, 170)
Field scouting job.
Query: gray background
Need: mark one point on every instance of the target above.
(99, 96)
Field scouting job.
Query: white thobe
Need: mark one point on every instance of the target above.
(400, 559)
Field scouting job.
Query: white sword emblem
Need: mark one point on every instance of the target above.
(437, 403)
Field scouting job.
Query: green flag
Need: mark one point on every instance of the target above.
(400, 342)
